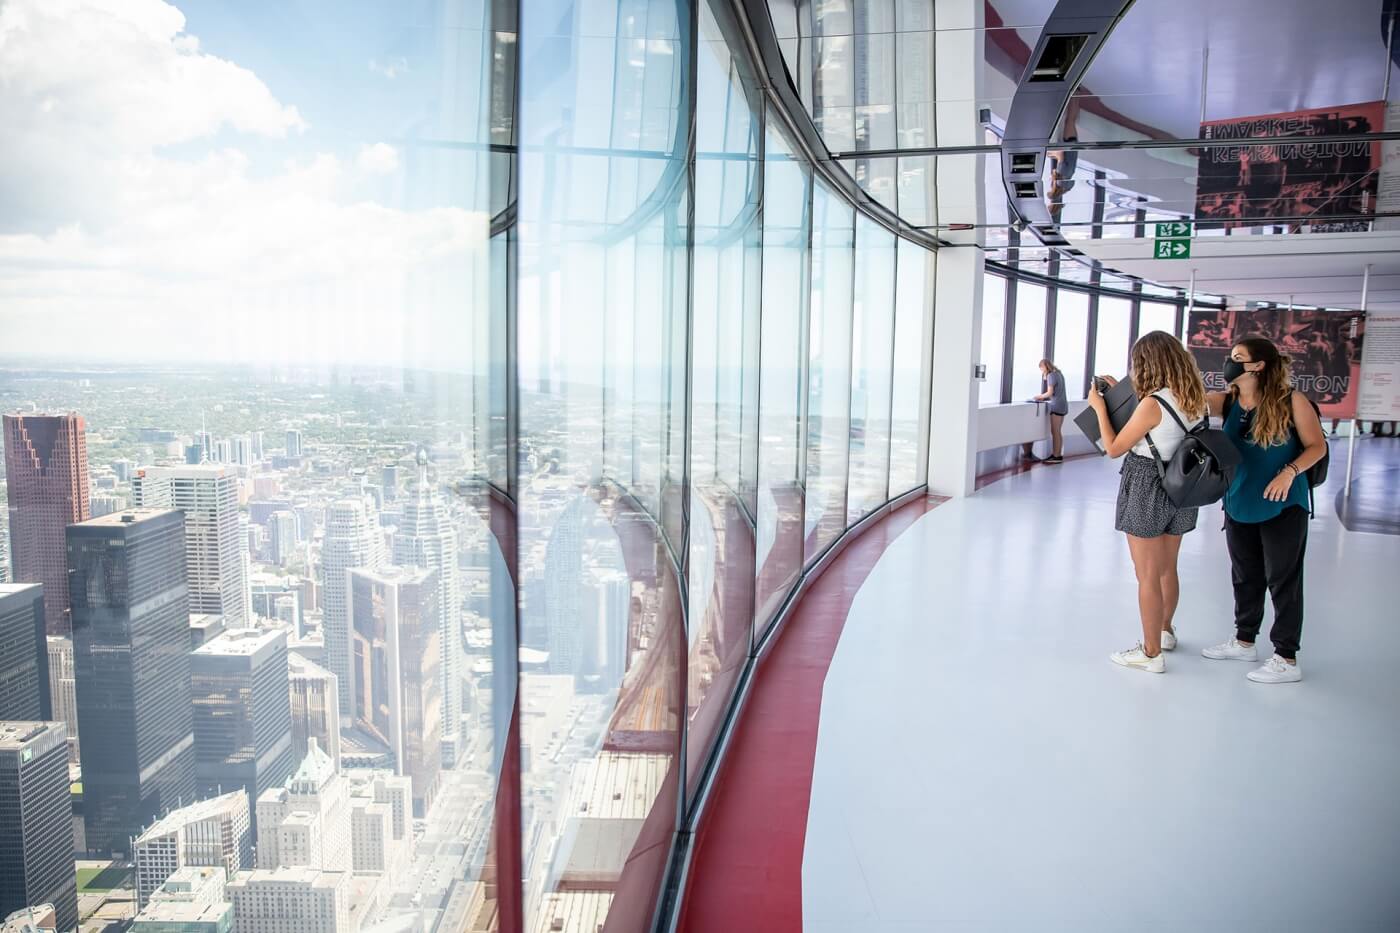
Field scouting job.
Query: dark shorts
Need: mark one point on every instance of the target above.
(1144, 511)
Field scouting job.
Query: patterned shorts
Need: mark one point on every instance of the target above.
(1144, 511)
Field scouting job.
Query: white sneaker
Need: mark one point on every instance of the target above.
(1168, 640)
(1231, 650)
(1136, 657)
(1276, 671)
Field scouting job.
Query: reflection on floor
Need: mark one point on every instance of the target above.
(982, 766)
(1374, 503)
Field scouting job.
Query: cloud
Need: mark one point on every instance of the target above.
(378, 159)
(132, 222)
(390, 69)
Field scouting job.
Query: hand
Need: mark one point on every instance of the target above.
(1282, 485)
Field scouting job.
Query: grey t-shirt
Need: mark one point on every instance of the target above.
(1055, 384)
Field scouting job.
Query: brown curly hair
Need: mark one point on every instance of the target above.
(1161, 362)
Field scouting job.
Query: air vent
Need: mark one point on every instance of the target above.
(1026, 190)
(1023, 163)
(1057, 57)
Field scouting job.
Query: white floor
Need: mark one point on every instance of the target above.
(983, 766)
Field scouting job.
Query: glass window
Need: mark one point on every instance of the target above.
(872, 343)
(1153, 315)
(780, 513)
(829, 373)
(913, 355)
(1111, 338)
(993, 333)
(1072, 338)
(1029, 348)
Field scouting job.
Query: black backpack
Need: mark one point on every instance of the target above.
(1203, 466)
(1317, 473)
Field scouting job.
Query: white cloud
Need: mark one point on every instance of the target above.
(110, 243)
(390, 69)
(378, 159)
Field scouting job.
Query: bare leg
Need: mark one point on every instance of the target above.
(1149, 554)
(1171, 583)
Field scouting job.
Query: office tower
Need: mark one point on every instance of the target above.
(352, 541)
(381, 826)
(208, 495)
(36, 821)
(427, 539)
(204, 628)
(24, 653)
(242, 714)
(192, 900)
(315, 704)
(46, 471)
(63, 691)
(287, 899)
(294, 443)
(132, 665)
(282, 535)
(307, 821)
(394, 616)
(214, 833)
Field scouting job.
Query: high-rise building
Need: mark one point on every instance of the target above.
(242, 714)
(63, 690)
(394, 615)
(214, 833)
(352, 541)
(427, 539)
(282, 536)
(36, 821)
(24, 653)
(46, 472)
(208, 495)
(192, 900)
(132, 666)
(291, 899)
(315, 702)
(294, 443)
(307, 821)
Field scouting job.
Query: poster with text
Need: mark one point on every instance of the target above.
(1325, 347)
(1326, 186)
(1379, 397)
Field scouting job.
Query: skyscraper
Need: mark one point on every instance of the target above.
(24, 653)
(394, 614)
(352, 540)
(242, 714)
(63, 690)
(132, 665)
(315, 702)
(211, 833)
(214, 550)
(427, 539)
(46, 471)
(36, 821)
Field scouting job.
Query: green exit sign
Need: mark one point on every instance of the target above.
(1172, 249)
(1175, 228)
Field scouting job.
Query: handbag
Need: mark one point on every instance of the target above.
(1203, 466)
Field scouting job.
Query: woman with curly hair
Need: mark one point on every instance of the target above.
(1279, 437)
(1164, 374)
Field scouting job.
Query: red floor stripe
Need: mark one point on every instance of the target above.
(746, 873)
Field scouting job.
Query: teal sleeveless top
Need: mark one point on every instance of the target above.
(1244, 501)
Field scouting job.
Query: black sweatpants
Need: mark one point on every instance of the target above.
(1268, 557)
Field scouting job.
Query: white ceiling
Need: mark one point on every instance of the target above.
(1317, 269)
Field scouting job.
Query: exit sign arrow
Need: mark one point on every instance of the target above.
(1175, 228)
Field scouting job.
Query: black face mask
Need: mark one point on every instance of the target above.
(1234, 369)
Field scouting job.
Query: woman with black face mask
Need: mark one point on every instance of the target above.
(1279, 437)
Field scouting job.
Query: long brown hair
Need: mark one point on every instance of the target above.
(1273, 415)
(1161, 362)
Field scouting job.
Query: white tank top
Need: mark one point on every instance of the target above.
(1168, 434)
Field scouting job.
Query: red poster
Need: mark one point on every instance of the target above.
(1294, 180)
